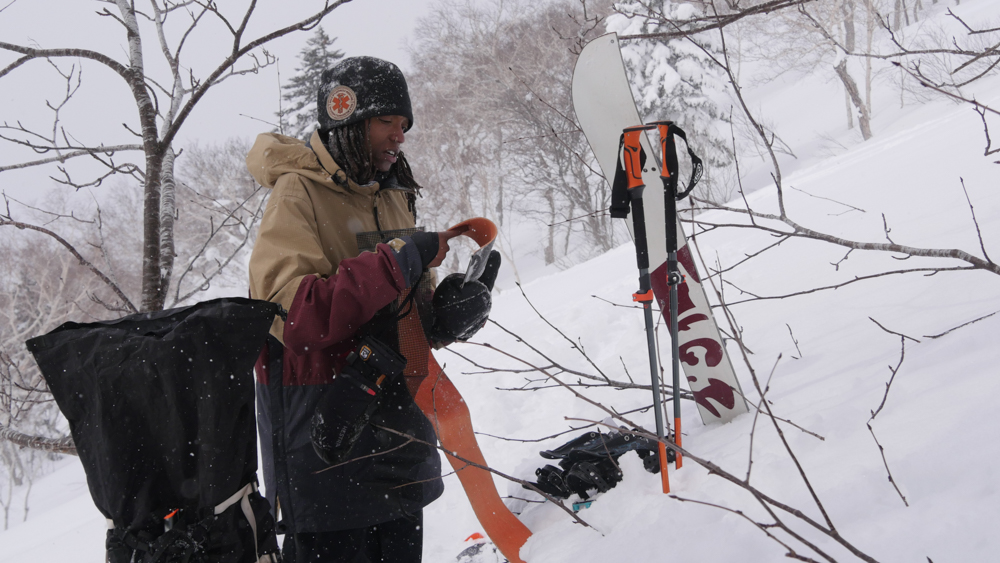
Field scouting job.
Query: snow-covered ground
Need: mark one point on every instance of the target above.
(826, 360)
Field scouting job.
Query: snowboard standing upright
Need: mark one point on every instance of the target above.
(604, 106)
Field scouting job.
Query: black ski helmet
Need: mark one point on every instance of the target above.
(358, 88)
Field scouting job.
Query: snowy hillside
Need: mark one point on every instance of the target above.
(826, 358)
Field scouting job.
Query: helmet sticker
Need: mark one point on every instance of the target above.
(341, 103)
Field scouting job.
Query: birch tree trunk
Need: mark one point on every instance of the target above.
(870, 27)
(852, 90)
(850, 35)
(152, 294)
(168, 210)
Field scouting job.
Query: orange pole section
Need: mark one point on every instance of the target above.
(441, 402)
(677, 440)
(664, 479)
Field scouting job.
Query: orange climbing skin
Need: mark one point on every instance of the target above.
(443, 405)
(479, 229)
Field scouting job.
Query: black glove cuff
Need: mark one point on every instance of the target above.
(489, 276)
(427, 245)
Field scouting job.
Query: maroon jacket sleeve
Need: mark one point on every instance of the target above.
(326, 311)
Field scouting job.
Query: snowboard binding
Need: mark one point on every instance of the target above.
(589, 463)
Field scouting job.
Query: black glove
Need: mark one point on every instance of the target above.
(352, 398)
(427, 245)
(460, 310)
(414, 254)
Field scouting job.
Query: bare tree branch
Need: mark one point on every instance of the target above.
(62, 158)
(962, 325)
(856, 279)
(31, 53)
(6, 221)
(885, 397)
(686, 28)
(237, 53)
(764, 527)
(800, 231)
(55, 445)
(469, 463)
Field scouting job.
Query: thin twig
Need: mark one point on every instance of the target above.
(469, 463)
(893, 332)
(828, 199)
(763, 527)
(561, 333)
(881, 451)
(63, 445)
(962, 325)
(794, 341)
(856, 279)
(979, 232)
(885, 397)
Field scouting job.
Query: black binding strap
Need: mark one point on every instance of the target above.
(697, 168)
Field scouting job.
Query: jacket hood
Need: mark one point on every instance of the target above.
(274, 155)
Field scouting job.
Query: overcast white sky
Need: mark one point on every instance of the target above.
(362, 27)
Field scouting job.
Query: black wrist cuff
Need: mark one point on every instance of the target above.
(427, 246)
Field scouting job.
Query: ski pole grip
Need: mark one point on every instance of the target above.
(669, 170)
(632, 155)
(663, 128)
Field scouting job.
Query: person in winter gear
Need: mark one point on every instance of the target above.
(338, 250)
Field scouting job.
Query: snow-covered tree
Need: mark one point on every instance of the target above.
(676, 80)
(298, 119)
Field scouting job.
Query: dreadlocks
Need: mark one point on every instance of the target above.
(350, 150)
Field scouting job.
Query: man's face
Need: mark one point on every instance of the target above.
(385, 135)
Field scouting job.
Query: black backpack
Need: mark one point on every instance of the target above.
(161, 409)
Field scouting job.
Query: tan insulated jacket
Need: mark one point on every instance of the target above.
(310, 222)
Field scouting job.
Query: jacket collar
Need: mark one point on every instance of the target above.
(332, 168)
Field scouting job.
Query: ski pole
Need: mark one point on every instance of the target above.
(668, 174)
(632, 157)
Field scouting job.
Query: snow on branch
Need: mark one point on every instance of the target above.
(6, 220)
(63, 445)
(699, 24)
